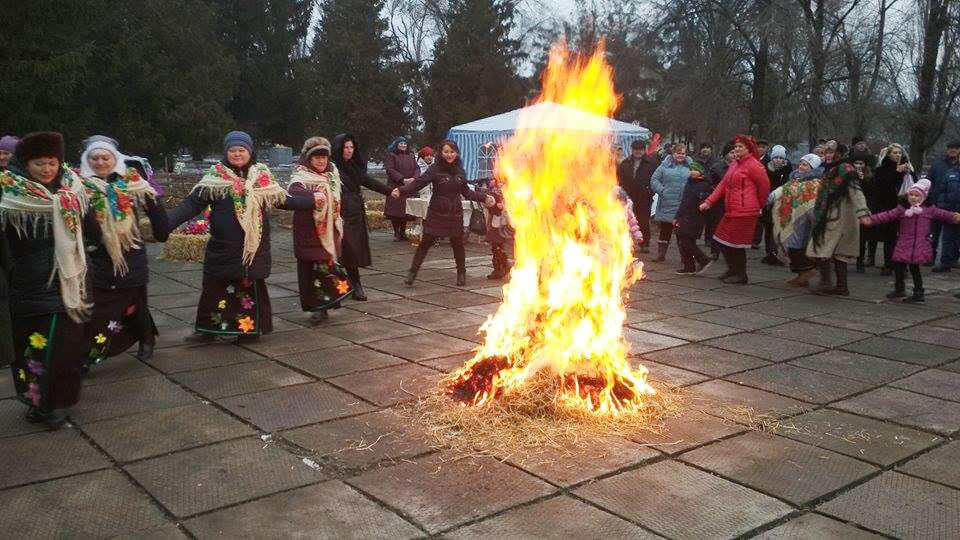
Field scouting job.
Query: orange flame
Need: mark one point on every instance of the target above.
(563, 312)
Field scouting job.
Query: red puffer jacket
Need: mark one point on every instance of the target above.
(744, 188)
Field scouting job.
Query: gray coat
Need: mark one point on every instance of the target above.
(668, 182)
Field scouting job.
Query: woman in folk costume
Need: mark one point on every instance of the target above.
(317, 233)
(835, 235)
(42, 211)
(352, 167)
(792, 211)
(743, 190)
(402, 169)
(118, 263)
(240, 192)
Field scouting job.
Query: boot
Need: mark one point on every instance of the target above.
(358, 293)
(826, 280)
(861, 268)
(917, 297)
(661, 251)
(499, 266)
(840, 269)
(803, 278)
(418, 258)
(461, 277)
(897, 293)
(54, 419)
(144, 352)
(318, 317)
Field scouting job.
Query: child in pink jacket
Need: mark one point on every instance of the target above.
(913, 244)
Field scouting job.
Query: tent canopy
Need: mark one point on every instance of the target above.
(474, 138)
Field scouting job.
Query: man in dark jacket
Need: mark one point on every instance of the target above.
(945, 177)
(633, 175)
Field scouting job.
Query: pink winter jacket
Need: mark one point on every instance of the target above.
(913, 243)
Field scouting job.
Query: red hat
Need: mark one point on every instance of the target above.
(425, 151)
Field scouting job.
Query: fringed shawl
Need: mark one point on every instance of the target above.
(113, 205)
(328, 225)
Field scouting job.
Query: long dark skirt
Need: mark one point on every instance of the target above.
(356, 237)
(120, 319)
(322, 285)
(234, 307)
(48, 353)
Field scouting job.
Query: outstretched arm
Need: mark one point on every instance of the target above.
(189, 208)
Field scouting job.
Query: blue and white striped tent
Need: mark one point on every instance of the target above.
(476, 139)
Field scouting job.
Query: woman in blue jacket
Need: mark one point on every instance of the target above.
(668, 182)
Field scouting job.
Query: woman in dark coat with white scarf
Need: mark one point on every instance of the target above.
(402, 169)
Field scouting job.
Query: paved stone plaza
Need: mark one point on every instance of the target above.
(807, 417)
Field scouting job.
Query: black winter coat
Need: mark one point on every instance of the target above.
(100, 266)
(353, 177)
(887, 182)
(778, 177)
(690, 220)
(637, 184)
(445, 212)
(224, 255)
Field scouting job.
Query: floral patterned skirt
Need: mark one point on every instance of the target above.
(234, 307)
(48, 353)
(322, 285)
(120, 319)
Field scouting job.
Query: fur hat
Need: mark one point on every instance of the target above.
(313, 145)
(812, 160)
(238, 138)
(8, 143)
(40, 144)
(778, 151)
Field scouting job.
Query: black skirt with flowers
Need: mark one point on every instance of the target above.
(234, 307)
(48, 353)
(120, 319)
(322, 285)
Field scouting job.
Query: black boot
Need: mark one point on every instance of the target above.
(861, 268)
(461, 277)
(418, 257)
(840, 269)
(144, 352)
(318, 317)
(54, 419)
(358, 293)
(917, 297)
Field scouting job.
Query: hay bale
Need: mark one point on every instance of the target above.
(185, 247)
(377, 221)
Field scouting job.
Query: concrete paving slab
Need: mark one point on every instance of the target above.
(741, 403)
(102, 504)
(327, 510)
(864, 438)
(202, 479)
(934, 335)
(13, 419)
(573, 463)
(809, 526)
(939, 465)
(681, 433)
(440, 493)
(422, 346)
(239, 379)
(371, 330)
(128, 397)
(859, 367)
(781, 467)
(707, 360)
(906, 408)
(441, 319)
(41, 456)
(560, 518)
(739, 318)
(201, 357)
(933, 382)
(799, 383)
(158, 432)
(769, 348)
(390, 385)
(900, 506)
(284, 343)
(815, 334)
(294, 406)
(903, 350)
(339, 361)
(684, 328)
(678, 501)
(642, 342)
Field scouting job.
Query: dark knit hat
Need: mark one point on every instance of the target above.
(8, 143)
(638, 144)
(39, 144)
(238, 138)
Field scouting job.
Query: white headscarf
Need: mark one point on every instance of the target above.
(86, 170)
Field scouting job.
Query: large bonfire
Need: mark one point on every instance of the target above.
(562, 314)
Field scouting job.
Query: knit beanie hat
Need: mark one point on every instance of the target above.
(8, 143)
(778, 151)
(238, 138)
(40, 144)
(812, 160)
(922, 186)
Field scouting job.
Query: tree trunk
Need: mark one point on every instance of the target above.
(922, 123)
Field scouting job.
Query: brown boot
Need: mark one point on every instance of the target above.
(825, 285)
(840, 268)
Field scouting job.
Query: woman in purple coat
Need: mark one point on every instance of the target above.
(402, 169)
(913, 244)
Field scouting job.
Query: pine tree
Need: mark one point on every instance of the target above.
(474, 72)
(358, 85)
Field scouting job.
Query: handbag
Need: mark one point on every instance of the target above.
(478, 223)
(906, 184)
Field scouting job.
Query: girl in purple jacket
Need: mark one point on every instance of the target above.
(913, 244)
